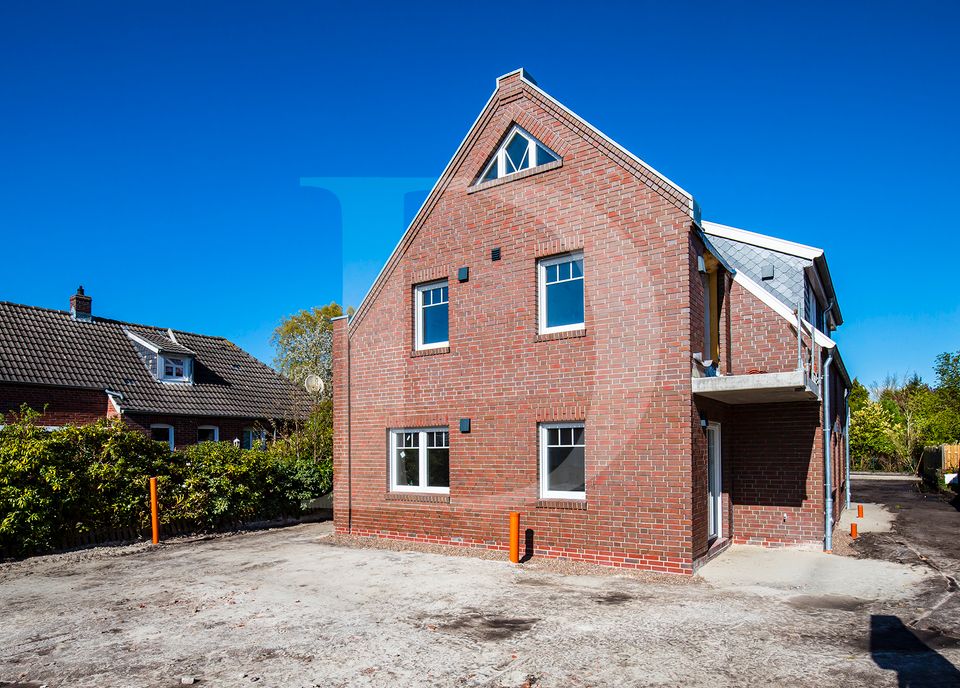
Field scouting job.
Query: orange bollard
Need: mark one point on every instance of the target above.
(514, 537)
(153, 510)
(859, 510)
(853, 530)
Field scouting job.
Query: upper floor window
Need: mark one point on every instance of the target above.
(519, 151)
(176, 368)
(561, 293)
(420, 460)
(432, 315)
(562, 461)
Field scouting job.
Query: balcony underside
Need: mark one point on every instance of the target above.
(763, 388)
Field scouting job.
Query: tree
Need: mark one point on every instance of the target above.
(859, 396)
(303, 343)
(870, 430)
(947, 368)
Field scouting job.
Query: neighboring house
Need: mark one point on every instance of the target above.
(557, 333)
(179, 387)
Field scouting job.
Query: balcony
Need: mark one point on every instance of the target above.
(801, 384)
(762, 388)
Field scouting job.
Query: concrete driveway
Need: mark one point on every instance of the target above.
(300, 607)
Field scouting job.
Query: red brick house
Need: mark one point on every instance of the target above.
(179, 387)
(558, 333)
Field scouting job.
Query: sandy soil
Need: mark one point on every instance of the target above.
(299, 607)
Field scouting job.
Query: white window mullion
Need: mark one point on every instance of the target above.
(423, 459)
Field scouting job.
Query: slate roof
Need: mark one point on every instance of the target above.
(787, 283)
(47, 347)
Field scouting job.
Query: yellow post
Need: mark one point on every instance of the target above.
(514, 537)
(153, 510)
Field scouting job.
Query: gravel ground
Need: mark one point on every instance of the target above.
(300, 606)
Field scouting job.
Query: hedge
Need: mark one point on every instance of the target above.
(93, 478)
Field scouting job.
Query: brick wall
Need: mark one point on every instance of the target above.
(64, 406)
(626, 375)
(185, 427)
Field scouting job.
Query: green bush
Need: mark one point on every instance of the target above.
(92, 478)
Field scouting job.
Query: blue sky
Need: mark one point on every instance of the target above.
(154, 151)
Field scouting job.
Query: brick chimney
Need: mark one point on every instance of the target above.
(81, 306)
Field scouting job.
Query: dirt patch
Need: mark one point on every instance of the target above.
(833, 602)
(490, 628)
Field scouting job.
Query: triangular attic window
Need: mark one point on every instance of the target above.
(519, 151)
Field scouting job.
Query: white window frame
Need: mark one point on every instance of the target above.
(216, 432)
(418, 314)
(545, 492)
(422, 461)
(542, 266)
(187, 368)
(500, 157)
(163, 425)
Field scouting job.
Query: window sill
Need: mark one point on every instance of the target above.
(569, 334)
(515, 176)
(572, 504)
(416, 353)
(417, 497)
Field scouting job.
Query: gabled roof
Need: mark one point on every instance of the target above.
(653, 178)
(159, 343)
(39, 346)
(814, 255)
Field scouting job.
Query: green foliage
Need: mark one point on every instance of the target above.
(889, 431)
(859, 396)
(304, 344)
(95, 477)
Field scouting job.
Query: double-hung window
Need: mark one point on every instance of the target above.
(432, 315)
(420, 460)
(560, 287)
(562, 461)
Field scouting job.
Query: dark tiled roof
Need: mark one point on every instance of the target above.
(48, 347)
(161, 341)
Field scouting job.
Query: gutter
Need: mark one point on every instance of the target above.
(827, 472)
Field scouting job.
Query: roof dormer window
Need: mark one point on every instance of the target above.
(165, 358)
(519, 151)
(177, 368)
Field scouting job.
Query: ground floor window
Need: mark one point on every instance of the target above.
(420, 460)
(208, 433)
(160, 432)
(253, 438)
(562, 461)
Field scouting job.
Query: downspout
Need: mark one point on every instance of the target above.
(846, 440)
(827, 472)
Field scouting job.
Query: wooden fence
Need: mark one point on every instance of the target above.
(951, 458)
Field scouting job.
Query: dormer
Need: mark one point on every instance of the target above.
(166, 359)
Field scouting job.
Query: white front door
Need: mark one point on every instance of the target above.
(714, 482)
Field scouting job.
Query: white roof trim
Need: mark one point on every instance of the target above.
(429, 196)
(527, 79)
(783, 310)
(143, 342)
(763, 240)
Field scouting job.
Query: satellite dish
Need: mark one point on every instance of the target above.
(313, 384)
